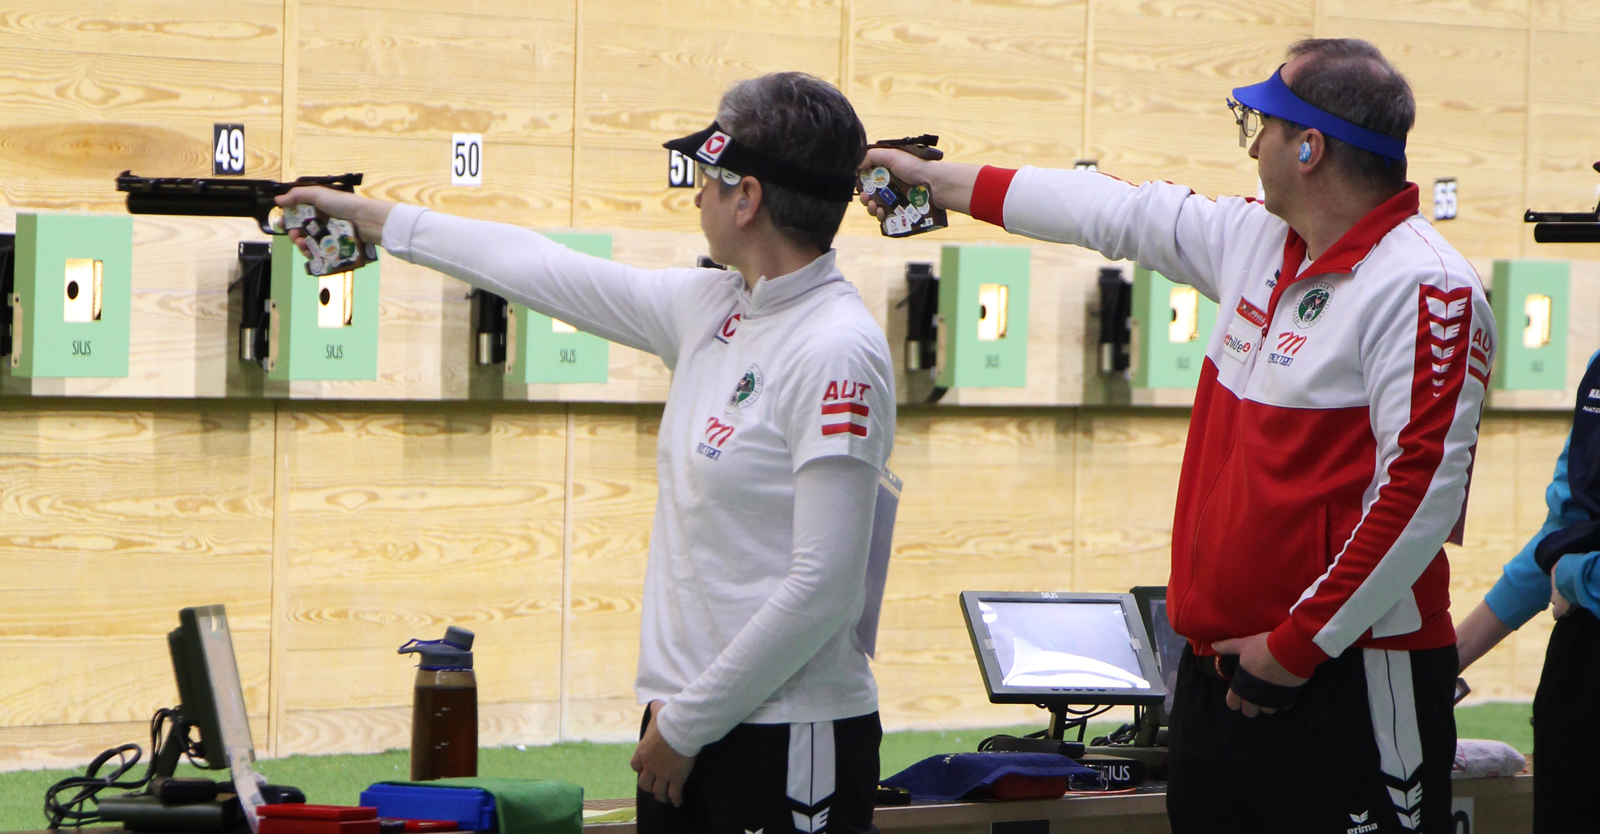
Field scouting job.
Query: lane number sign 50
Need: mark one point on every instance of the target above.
(227, 150)
(466, 159)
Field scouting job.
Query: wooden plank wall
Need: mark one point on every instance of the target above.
(573, 98)
(334, 533)
(112, 520)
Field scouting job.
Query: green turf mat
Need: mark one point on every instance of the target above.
(602, 769)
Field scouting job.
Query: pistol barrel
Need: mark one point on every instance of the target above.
(194, 197)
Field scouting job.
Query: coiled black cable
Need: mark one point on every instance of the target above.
(71, 811)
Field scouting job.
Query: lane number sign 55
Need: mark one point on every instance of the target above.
(1444, 198)
(227, 150)
(466, 159)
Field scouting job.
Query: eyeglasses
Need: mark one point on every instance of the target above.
(1250, 121)
(712, 172)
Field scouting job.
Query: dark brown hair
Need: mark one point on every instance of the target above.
(1352, 80)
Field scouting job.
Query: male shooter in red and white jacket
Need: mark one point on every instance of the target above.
(1329, 449)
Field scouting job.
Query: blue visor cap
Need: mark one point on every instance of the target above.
(1272, 97)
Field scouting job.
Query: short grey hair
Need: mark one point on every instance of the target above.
(804, 121)
(1351, 79)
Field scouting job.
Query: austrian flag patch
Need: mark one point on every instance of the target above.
(844, 409)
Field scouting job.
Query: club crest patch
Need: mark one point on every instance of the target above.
(1313, 300)
(748, 390)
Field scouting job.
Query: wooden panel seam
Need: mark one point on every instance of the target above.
(289, 120)
(846, 46)
(1077, 493)
(1088, 84)
(567, 520)
(1527, 128)
(577, 133)
(279, 578)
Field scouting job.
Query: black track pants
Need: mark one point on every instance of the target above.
(1366, 749)
(1566, 728)
(776, 779)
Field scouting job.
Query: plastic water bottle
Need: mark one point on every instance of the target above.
(444, 708)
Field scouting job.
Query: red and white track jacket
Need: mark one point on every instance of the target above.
(1333, 431)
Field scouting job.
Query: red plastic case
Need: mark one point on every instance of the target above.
(1012, 787)
(301, 811)
(280, 825)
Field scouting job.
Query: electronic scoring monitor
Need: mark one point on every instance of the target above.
(1056, 649)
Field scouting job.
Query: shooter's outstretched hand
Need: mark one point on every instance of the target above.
(949, 183)
(367, 214)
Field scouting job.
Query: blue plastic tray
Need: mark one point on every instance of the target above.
(472, 809)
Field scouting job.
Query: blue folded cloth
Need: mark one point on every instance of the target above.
(951, 777)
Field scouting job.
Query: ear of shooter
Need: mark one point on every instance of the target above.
(908, 207)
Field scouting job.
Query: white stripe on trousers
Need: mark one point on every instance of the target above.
(811, 773)
(1393, 705)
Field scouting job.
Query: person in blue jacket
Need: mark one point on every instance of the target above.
(1560, 567)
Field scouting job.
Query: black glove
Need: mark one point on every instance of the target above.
(1262, 693)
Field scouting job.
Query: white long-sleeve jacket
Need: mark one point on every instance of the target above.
(780, 415)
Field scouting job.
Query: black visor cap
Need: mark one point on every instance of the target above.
(713, 146)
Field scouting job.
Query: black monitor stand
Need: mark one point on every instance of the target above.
(1062, 720)
(172, 747)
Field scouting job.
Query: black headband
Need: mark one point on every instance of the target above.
(713, 146)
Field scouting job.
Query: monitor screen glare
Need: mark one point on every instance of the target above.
(1079, 646)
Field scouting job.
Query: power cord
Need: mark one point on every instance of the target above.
(72, 812)
(987, 744)
(1124, 734)
(1080, 719)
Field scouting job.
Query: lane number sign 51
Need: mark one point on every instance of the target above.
(680, 170)
(466, 159)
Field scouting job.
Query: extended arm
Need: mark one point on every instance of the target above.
(640, 308)
(1161, 226)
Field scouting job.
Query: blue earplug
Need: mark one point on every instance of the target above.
(1305, 151)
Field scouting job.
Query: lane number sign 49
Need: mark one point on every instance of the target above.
(227, 150)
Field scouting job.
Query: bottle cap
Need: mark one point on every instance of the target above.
(453, 652)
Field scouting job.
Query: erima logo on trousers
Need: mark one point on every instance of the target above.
(1361, 825)
(813, 823)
